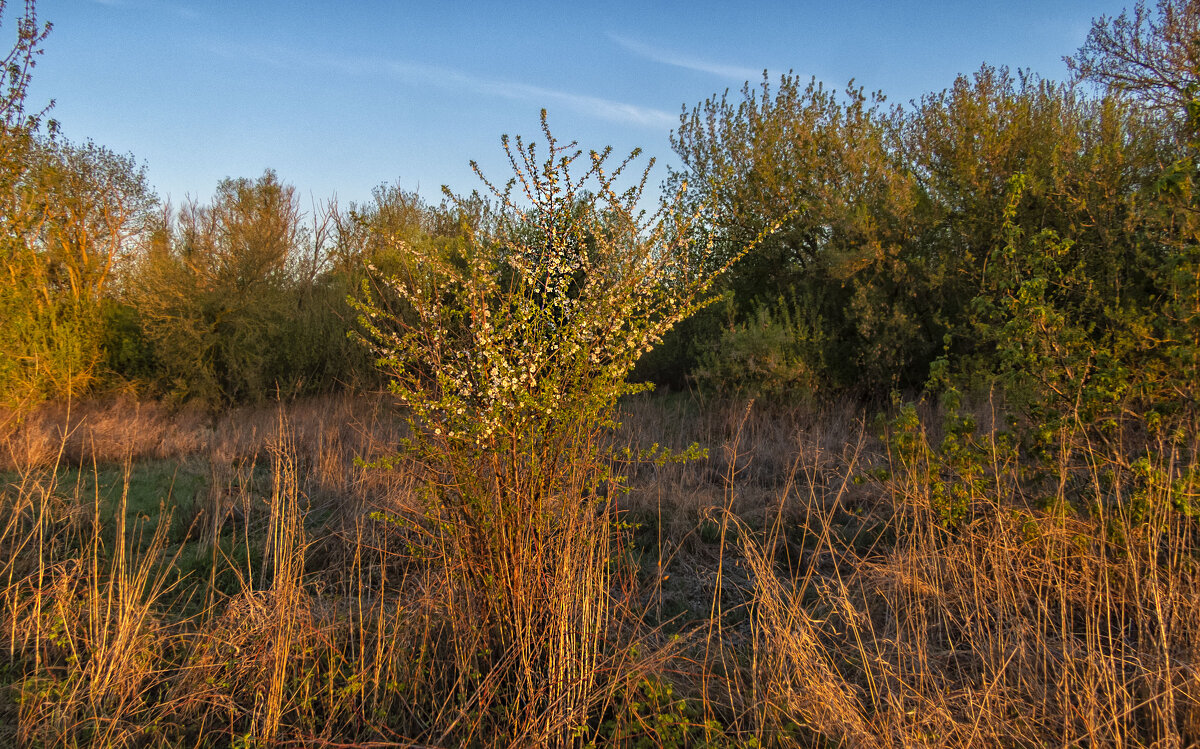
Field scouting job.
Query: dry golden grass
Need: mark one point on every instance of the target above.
(796, 588)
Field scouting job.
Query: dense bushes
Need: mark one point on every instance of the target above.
(776, 353)
(233, 298)
(906, 236)
(68, 213)
(900, 223)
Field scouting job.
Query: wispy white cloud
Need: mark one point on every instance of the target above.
(668, 57)
(594, 106)
(434, 75)
(605, 109)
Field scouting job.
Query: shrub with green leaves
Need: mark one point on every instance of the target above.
(67, 215)
(890, 216)
(509, 357)
(526, 337)
(777, 354)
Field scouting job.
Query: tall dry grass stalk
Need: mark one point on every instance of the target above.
(829, 602)
(81, 614)
(396, 632)
(1063, 619)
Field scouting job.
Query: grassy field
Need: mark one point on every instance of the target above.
(819, 578)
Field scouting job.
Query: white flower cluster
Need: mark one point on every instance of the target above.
(540, 323)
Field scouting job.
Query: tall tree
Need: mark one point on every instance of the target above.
(67, 214)
(213, 291)
(1152, 55)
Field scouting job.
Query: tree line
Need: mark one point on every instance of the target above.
(1009, 229)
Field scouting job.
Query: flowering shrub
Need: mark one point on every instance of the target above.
(509, 355)
(523, 340)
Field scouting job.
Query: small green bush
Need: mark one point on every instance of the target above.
(776, 355)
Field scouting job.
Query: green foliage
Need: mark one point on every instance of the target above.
(241, 300)
(821, 166)
(950, 476)
(777, 355)
(508, 353)
(212, 291)
(49, 344)
(66, 214)
(128, 355)
(650, 715)
(1079, 337)
(79, 209)
(894, 219)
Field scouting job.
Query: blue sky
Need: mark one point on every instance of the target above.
(338, 97)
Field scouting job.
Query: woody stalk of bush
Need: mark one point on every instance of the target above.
(509, 358)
